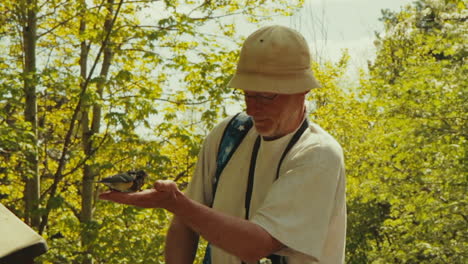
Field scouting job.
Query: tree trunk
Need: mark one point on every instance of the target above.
(32, 179)
(90, 171)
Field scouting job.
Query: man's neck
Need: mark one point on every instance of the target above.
(294, 125)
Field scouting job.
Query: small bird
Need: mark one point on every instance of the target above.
(130, 181)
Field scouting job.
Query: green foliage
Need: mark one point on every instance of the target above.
(416, 163)
(403, 129)
(164, 88)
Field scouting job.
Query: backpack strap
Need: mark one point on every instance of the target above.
(234, 133)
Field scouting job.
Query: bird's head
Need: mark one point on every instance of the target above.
(140, 174)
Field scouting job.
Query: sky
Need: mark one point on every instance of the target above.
(330, 26)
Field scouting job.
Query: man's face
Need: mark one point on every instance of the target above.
(275, 115)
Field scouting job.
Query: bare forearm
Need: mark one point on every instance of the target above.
(237, 236)
(181, 243)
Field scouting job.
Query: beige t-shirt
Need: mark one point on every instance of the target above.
(304, 209)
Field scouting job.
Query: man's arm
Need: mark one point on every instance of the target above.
(239, 237)
(181, 243)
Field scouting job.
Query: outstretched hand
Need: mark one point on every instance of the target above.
(161, 195)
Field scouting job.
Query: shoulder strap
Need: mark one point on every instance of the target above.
(274, 259)
(293, 141)
(253, 161)
(233, 135)
(248, 192)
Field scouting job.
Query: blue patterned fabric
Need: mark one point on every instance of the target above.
(235, 131)
(233, 135)
(207, 257)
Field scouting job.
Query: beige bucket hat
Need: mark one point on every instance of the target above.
(274, 59)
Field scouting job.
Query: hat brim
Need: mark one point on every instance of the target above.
(280, 84)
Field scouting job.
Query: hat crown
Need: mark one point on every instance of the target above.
(274, 59)
(275, 50)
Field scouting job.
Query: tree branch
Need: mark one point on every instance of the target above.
(68, 137)
(183, 173)
(55, 27)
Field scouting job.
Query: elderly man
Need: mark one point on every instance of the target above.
(279, 192)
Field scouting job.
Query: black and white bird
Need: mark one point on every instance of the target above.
(130, 181)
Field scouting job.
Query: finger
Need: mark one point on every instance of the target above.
(165, 186)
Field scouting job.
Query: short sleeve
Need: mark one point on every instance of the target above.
(298, 208)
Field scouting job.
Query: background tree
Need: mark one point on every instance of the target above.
(137, 84)
(411, 184)
(27, 17)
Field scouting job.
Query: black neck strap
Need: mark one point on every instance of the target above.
(291, 143)
(253, 161)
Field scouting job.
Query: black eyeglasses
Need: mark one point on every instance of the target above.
(269, 97)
